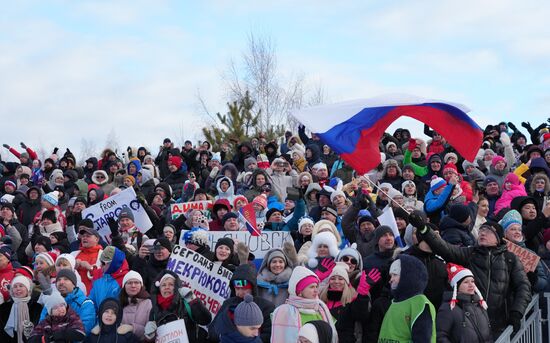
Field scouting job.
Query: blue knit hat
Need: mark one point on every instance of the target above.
(52, 198)
(511, 217)
(248, 313)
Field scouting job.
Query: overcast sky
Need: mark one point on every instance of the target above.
(83, 69)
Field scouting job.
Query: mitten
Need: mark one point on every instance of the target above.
(214, 172)
(325, 268)
(412, 144)
(23, 145)
(186, 294)
(45, 283)
(27, 328)
(505, 139)
(113, 226)
(417, 220)
(150, 330)
(368, 280)
(6, 146)
(515, 320)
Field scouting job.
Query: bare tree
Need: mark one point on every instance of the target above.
(87, 149)
(112, 141)
(274, 95)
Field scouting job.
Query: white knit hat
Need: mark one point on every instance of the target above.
(340, 269)
(132, 275)
(326, 238)
(298, 274)
(334, 194)
(69, 258)
(304, 220)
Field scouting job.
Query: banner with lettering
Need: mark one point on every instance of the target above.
(111, 207)
(208, 280)
(179, 209)
(528, 258)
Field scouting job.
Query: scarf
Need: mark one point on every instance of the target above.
(18, 314)
(272, 288)
(311, 306)
(164, 302)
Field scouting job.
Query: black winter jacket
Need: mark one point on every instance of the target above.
(467, 322)
(499, 276)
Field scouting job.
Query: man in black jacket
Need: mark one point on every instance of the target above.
(499, 274)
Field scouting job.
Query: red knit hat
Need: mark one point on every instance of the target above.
(260, 200)
(456, 274)
(497, 159)
(450, 166)
(175, 160)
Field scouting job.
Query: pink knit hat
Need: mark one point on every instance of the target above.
(302, 284)
(497, 159)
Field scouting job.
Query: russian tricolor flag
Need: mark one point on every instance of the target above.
(249, 217)
(354, 128)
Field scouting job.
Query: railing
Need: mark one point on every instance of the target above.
(532, 325)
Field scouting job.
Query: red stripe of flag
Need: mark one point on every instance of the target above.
(249, 216)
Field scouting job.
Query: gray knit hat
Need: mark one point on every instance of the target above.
(67, 273)
(53, 300)
(248, 313)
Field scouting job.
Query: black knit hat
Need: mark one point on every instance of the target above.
(162, 243)
(43, 241)
(67, 273)
(381, 231)
(271, 211)
(227, 241)
(459, 212)
(229, 215)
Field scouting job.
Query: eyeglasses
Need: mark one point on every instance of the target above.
(349, 259)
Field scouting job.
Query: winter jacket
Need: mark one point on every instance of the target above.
(467, 322)
(28, 209)
(381, 261)
(228, 333)
(499, 276)
(437, 274)
(34, 316)
(346, 316)
(193, 313)
(507, 196)
(455, 232)
(83, 307)
(6, 275)
(90, 255)
(176, 180)
(137, 315)
(68, 328)
(107, 286)
(280, 181)
(435, 204)
(243, 272)
(271, 287)
(149, 269)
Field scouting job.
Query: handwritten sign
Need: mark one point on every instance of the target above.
(528, 258)
(111, 207)
(208, 280)
(173, 332)
(182, 208)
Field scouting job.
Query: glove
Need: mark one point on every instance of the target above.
(27, 328)
(325, 268)
(412, 144)
(113, 226)
(368, 280)
(150, 330)
(416, 219)
(6, 146)
(505, 139)
(55, 150)
(59, 335)
(515, 320)
(187, 294)
(214, 172)
(141, 199)
(23, 145)
(526, 125)
(45, 283)
(129, 149)
(512, 126)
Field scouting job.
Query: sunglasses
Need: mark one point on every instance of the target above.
(240, 283)
(100, 176)
(349, 259)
